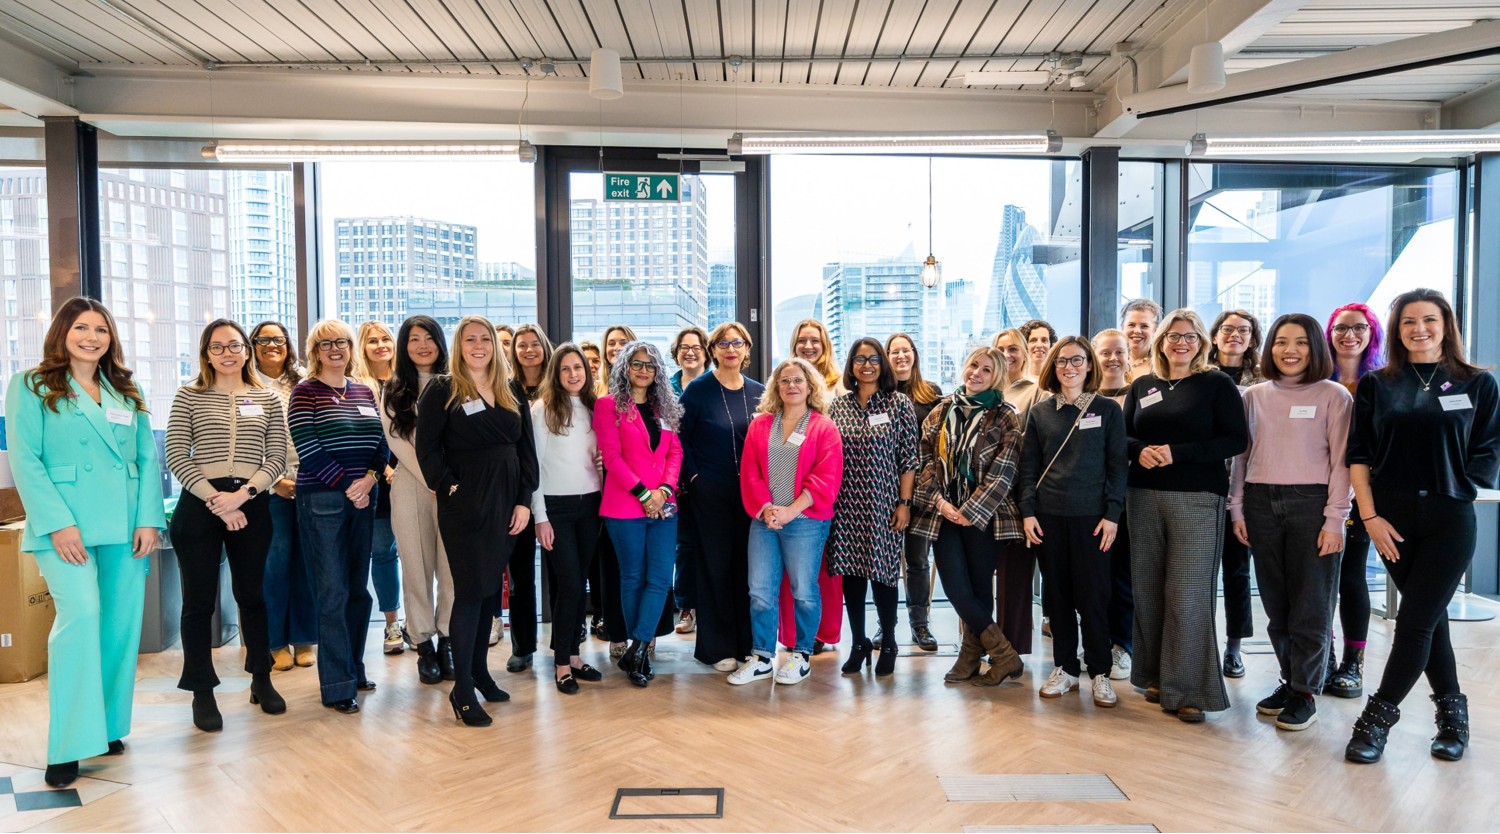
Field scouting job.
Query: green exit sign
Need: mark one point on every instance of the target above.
(642, 188)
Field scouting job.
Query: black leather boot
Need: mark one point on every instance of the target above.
(859, 655)
(888, 651)
(206, 715)
(428, 669)
(61, 775)
(1370, 731)
(636, 671)
(263, 693)
(1453, 726)
(1349, 680)
(445, 657)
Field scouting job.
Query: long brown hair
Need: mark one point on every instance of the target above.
(289, 373)
(557, 411)
(464, 389)
(1249, 366)
(825, 364)
(206, 373)
(49, 379)
(919, 389)
(1396, 355)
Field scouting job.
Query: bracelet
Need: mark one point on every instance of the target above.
(1369, 517)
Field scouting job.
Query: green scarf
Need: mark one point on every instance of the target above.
(958, 437)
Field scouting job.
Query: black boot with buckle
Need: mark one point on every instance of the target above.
(1371, 730)
(1453, 726)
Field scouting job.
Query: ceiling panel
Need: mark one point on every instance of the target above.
(120, 40)
(834, 20)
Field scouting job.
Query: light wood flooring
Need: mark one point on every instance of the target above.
(835, 753)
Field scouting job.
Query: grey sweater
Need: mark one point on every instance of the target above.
(1088, 477)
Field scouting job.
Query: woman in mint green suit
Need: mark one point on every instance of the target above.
(85, 464)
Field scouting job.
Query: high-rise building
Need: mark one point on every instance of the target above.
(878, 298)
(24, 267)
(720, 294)
(263, 247)
(1018, 291)
(380, 261)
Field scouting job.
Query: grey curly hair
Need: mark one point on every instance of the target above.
(663, 403)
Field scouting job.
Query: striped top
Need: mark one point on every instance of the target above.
(211, 434)
(337, 434)
(781, 461)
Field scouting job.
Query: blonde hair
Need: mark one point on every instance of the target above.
(723, 330)
(817, 392)
(332, 329)
(1199, 364)
(824, 365)
(498, 372)
(1003, 369)
(364, 364)
(998, 382)
(1112, 333)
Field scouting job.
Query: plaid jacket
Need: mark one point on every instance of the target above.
(991, 502)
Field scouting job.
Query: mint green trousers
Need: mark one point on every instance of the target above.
(92, 650)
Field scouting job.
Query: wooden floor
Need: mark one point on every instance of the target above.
(835, 753)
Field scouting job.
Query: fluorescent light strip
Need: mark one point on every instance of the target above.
(312, 152)
(1440, 142)
(898, 143)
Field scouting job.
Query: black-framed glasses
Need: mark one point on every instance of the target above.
(730, 344)
(1186, 338)
(690, 350)
(1231, 330)
(1074, 361)
(866, 360)
(642, 365)
(264, 341)
(234, 348)
(330, 344)
(1346, 329)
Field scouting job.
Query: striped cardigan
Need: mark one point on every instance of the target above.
(337, 434)
(211, 434)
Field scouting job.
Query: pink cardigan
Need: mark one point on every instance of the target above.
(629, 459)
(820, 465)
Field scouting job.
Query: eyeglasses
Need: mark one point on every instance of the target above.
(1185, 338)
(689, 350)
(642, 365)
(263, 341)
(792, 381)
(730, 344)
(1231, 330)
(866, 360)
(235, 348)
(1346, 329)
(330, 344)
(1065, 361)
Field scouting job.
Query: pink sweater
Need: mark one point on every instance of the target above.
(820, 466)
(629, 459)
(1296, 450)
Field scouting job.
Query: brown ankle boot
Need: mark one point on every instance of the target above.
(1004, 662)
(969, 650)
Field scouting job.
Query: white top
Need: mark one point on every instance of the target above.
(569, 463)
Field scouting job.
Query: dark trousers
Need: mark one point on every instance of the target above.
(1239, 619)
(965, 559)
(1076, 585)
(856, 589)
(200, 538)
(290, 605)
(1296, 584)
(687, 555)
(1014, 572)
(470, 624)
(723, 572)
(604, 590)
(575, 530)
(336, 542)
(1439, 544)
(1121, 592)
(1354, 587)
(522, 570)
(918, 562)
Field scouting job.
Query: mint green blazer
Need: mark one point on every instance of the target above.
(77, 468)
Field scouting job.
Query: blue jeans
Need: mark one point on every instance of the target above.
(647, 550)
(385, 566)
(336, 541)
(797, 550)
(290, 607)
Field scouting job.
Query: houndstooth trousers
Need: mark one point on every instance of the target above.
(1175, 539)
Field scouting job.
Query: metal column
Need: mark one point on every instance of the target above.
(72, 149)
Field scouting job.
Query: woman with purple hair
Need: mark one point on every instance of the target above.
(1353, 332)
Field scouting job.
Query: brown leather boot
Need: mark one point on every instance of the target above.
(967, 664)
(1004, 662)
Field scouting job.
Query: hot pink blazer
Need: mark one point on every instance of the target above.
(820, 465)
(630, 460)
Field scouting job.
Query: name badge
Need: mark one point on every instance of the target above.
(879, 419)
(1455, 402)
(124, 417)
(796, 438)
(473, 406)
(1304, 412)
(663, 425)
(368, 411)
(1091, 421)
(248, 409)
(1151, 399)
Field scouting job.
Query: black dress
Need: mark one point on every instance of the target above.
(481, 465)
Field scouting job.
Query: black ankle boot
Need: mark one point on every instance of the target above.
(61, 775)
(1371, 729)
(1330, 673)
(639, 664)
(859, 655)
(644, 667)
(429, 671)
(445, 658)
(1453, 726)
(628, 661)
(887, 663)
(1349, 680)
(263, 693)
(206, 715)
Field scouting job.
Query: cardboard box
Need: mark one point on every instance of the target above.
(10, 505)
(26, 611)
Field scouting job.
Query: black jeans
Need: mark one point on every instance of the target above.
(917, 556)
(687, 554)
(575, 530)
(1121, 592)
(1296, 584)
(1015, 570)
(1440, 534)
(966, 559)
(604, 590)
(199, 538)
(1354, 587)
(1239, 619)
(1076, 578)
(522, 570)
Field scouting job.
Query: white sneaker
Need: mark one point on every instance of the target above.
(497, 628)
(794, 671)
(728, 664)
(1120, 667)
(393, 641)
(1058, 683)
(1104, 693)
(758, 670)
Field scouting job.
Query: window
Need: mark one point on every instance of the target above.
(24, 267)
(1136, 253)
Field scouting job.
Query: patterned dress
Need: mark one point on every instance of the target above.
(880, 445)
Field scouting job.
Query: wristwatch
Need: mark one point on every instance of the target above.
(251, 491)
(903, 502)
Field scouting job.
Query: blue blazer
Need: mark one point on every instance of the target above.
(77, 467)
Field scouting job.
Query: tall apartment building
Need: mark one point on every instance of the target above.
(24, 267)
(380, 261)
(262, 248)
(720, 294)
(881, 297)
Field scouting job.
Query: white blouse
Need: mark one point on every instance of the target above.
(570, 463)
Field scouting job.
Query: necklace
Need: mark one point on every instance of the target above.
(745, 404)
(1426, 383)
(1172, 384)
